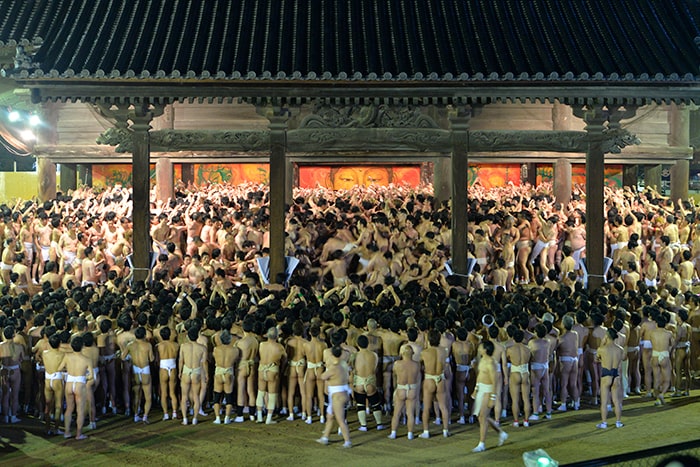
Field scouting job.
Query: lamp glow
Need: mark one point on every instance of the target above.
(27, 135)
(14, 116)
(538, 458)
(34, 120)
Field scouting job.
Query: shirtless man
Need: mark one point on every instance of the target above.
(376, 344)
(594, 341)
(433, 359)
(77, 366)
(272, 358)
(51, 276)
(540, 349)
(338, 267)
(8, 259)
(192, 363)
(391, 343)
(661, 345)
(336, 377)
(681, 355)
(483, 250)
(610, 356)
(463, 354)
(27, 237)
(313, 350)
(664, 257)
(160, 234)
(141, 352)
(499, 276)
(225, 355)
(53, 387)
(407, 373)
(508, 256)
(89, 267)
(524, 247)
(106, 343)
(686, 270)
(195, 272)
(545, 236)
(113, 234)
(519, 356)
(567, 349)
(167, 354)
(365, 384)
(43, 231)
(91, 351)
(647, 327)
(124, 338)
(297, 366)
(245, 380)
(633, 354)
(11, 355)
(485, 396)
(502, 374)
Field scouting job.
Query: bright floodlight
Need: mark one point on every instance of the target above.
(538, 458)
(34, 120)
(27, 135)
(14, 116)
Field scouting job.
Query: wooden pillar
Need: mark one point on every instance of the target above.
(164, 178)
(679, 125)
(187, 174)
(140, 126)
(289, 181)
(595, 172)
(278, 192)
(85, 174)
(562, 181)
(531, 173)
(459, 126)
(47, 178)
(442, 178)
(69, 177)
(652, 176)
(629, 175)
(680, 178)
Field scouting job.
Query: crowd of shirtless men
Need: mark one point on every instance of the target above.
(369, 325)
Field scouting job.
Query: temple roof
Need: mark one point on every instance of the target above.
(436, 40)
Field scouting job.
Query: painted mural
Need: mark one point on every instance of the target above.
(613, 174)
(104, 175)
(111, 174)
(346, 176)
(235, 174)
(494, 175)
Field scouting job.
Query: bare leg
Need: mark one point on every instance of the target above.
(80, 410)
(70, 407)
(604, 394)
(185, 395)
(515, 395)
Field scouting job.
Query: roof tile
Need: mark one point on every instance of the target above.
(362, 39)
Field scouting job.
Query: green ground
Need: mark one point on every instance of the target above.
(568, 437)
